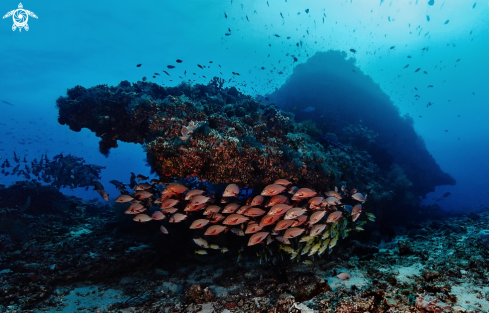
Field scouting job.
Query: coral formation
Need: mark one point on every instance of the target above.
(214, 133)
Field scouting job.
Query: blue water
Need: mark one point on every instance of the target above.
(89, 43)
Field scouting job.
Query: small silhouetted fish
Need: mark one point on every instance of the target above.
(277, 36)
(446, 22)
(308, 109)
(457, 60)
(406, 66)
(139, 65)
(280, 73)
(179, 61)
(247, 18)
(417, 70)
(200, 66)
(144, 78)
(262, 68)
(281, 15)
(170, 66)
(409, 56)
(225, 15)
(431, 2)
(446, 130)
(428, 18)
(288, 37)
(353, 50)
(392, 47)
(307, 10)
(474, 5)
(227, 34)
(166, 73)
(6, 102)
(430, 86)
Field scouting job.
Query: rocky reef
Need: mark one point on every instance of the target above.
(88, 257)
(215, 133)
(350, 105)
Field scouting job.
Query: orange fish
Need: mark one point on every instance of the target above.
(168, 203)
(315, 202)
(199, 223)
(279, 209)
(193, 193)
(332, 201)
(235, 219)
(258, 200)
(216, 218)
(175, 188)
(299, 221)
(283, 240)
(278, 199)
(257, 238)
(211, 209)
(305, 193)
(254, 212)
(169, 210)
(317, 229)
(143, 186)
(215, 230)
(272, 190)
(333, 193)
(158, 216)
(355, 213)
(294, 213)
(243, 209)
(124, 198)
(316, 217)
(252, 228)
(232, 190)
(142, 194)
(283, 182)
(163, 230)
(231, 208)
(200, 199)
(269, 220)
(192, 208)
(343, 276)
(359, 197)
(283, 224)
(142, 218)
(334, 217)
(177, 218)
(293, 232)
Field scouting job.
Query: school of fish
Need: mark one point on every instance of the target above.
(303, 222)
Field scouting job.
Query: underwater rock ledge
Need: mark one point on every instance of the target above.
(214, 133)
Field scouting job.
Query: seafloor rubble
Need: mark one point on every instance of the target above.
(215, 133)
(85, 256)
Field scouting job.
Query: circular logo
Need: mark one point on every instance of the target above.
(20, 18)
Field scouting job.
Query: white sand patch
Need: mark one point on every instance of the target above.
(470, 297)
(406, 273)
(356, 278)
(89, 298)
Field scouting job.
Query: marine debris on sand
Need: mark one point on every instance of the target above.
(431, 264)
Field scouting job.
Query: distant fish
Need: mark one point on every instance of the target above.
(170, 66)
(277, 36)
(227, 34)
(428, 18)
(144, 78)
(225, 15)
(166, 73)
(353, 50)
(179, 61)
(139, 65)
(392, 47)
(6, 102)
(308, 109)
(431, 2)
(430, 86)
(406, 66)
(307, 10)
(200, 66)
(446, 22)
(417, 70)
(473, 7)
